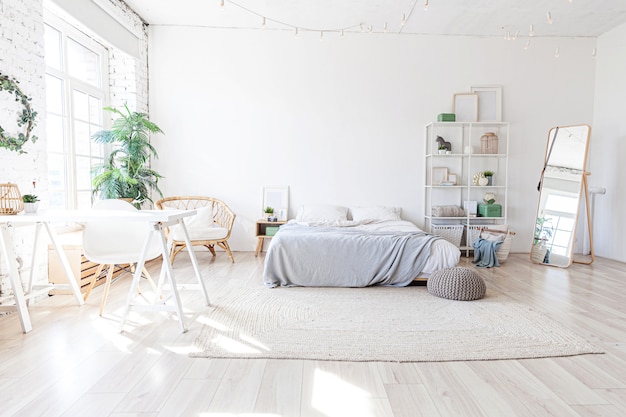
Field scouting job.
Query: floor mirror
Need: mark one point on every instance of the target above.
(562, 192)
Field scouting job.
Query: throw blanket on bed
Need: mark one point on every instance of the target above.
(344, 257)
(485, 253)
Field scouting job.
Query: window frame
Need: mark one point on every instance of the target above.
(70, 84)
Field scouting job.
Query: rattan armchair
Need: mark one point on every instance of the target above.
(211, 232)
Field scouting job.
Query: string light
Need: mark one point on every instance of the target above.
(342, 33)
(321, 35)
(403, 19)
(531, 32)
(425, 5)
(527, 45)
(263, 24)
(507, 36)
(296, 33)
(549, 18)
(557, 53)
(385, 28)
(594, 52)
(222, 5)
(516, 35)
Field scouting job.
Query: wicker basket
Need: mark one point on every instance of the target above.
(10, 199)
(474, 232)
(450, 232)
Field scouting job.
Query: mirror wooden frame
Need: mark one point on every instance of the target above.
(562, 186)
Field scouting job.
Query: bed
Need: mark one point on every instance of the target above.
(333, 246)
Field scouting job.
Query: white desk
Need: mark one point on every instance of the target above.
(158, 219)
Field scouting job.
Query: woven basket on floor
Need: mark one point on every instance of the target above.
(474, 232)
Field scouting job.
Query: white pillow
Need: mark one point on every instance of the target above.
(375, 213)
(202, 219)
(321, 213)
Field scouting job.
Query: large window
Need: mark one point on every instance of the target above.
(76, 91)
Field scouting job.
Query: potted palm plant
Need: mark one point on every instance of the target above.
(127, 173)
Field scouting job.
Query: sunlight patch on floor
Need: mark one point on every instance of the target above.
(334, 397)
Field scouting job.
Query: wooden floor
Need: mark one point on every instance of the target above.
(75, 363)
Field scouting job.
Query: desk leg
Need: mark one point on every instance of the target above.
(8, 253)
(167, 264)
(194, 261)
(65, 263)
(158, 228)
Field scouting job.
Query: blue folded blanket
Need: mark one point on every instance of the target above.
(485, 253)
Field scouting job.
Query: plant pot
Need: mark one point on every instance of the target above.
(31, 207)
(538, 252)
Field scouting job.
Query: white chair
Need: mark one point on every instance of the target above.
(111, 243)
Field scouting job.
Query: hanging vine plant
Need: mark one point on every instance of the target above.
(25, 120)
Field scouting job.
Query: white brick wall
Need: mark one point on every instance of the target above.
(22, 56)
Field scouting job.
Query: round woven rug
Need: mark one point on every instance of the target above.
(379, 324)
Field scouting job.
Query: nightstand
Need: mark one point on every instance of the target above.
(263, 233)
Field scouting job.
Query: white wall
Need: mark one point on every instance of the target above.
(341, 120)
(608, 145)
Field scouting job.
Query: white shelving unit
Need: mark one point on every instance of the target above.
(464, 161)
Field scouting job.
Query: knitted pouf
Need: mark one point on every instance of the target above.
(457, 283)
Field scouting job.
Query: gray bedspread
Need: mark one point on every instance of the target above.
(344, 257)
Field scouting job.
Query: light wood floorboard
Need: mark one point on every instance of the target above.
(75, 363)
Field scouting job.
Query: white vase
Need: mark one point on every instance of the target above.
(31, 207)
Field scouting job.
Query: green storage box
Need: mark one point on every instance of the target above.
(490, 210)
(446, 117)
(271, 230)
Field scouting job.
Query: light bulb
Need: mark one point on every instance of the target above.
(385, 28)
(296, 33)
(425, 5)
(527, 45)
(549, 18)
(342, 33)
(321, 35)
(263, 24)
(594, 52)
(507, 36)
(516, 35)
(531, 32)
(222, 5)
(557, 53)
(403, 19)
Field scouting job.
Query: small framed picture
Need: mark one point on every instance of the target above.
(452, 178)
(439, 175)
(466, 107)
(489, 102)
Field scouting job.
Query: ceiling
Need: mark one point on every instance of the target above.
(575, 18)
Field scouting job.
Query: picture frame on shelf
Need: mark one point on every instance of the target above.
(439, 175)
(466, 107)
(489, 102)
(453, 178)
(278, 199)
